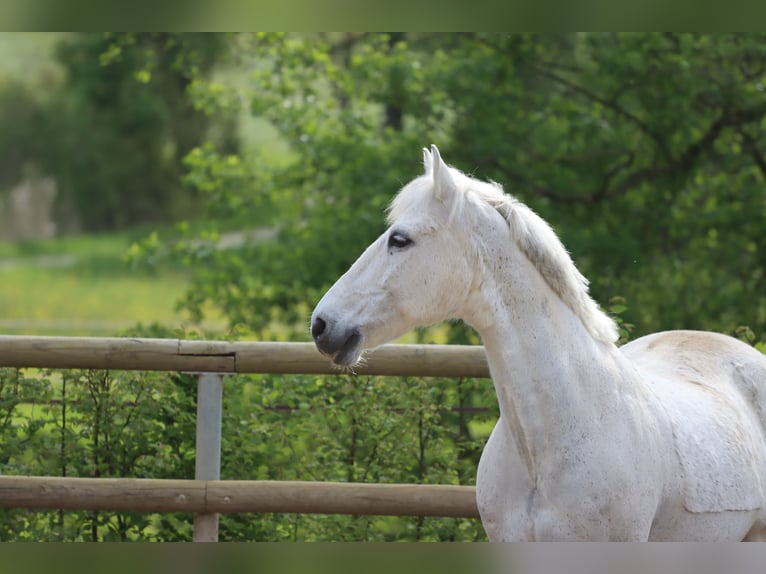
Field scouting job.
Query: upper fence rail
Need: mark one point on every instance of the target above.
(145, 354)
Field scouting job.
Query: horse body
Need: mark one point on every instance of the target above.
(660, 439)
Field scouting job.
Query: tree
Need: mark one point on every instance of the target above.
(328, 194)
(23, 120)
(643, 150)
(122, 124)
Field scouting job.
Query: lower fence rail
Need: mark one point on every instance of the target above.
(236, 496)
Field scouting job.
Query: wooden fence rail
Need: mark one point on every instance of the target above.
(206, 496)
(233, 496)
(233, 357)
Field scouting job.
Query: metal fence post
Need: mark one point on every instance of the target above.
(208, 450)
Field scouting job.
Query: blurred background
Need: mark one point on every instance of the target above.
(220, 182)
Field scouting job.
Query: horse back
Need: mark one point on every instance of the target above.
(710, 360)
(713, 391)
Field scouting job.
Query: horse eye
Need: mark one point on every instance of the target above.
(398, 241)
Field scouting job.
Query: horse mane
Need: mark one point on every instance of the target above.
(537, 240)
(533, 235)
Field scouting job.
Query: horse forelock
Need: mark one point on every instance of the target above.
(534, 237)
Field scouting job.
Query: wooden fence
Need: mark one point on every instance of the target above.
(206, 495)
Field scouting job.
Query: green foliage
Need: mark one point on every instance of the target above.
(326, 196)
(339, 428)
(353, 429)
(616, 307)
(23, 132)
(114, 132)
(95, 424)
(644, 150)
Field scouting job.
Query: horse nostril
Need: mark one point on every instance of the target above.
(318, 327)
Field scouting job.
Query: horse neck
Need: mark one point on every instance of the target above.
(553, 380)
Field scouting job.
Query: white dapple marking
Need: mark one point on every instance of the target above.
(662, 439)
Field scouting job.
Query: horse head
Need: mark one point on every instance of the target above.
(418, 272)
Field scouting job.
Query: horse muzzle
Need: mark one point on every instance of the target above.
(342, 345)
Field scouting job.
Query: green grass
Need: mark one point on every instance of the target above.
(88, 247)
(82, 286)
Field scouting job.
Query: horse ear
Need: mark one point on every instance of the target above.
(443, 182)
(428, 161)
